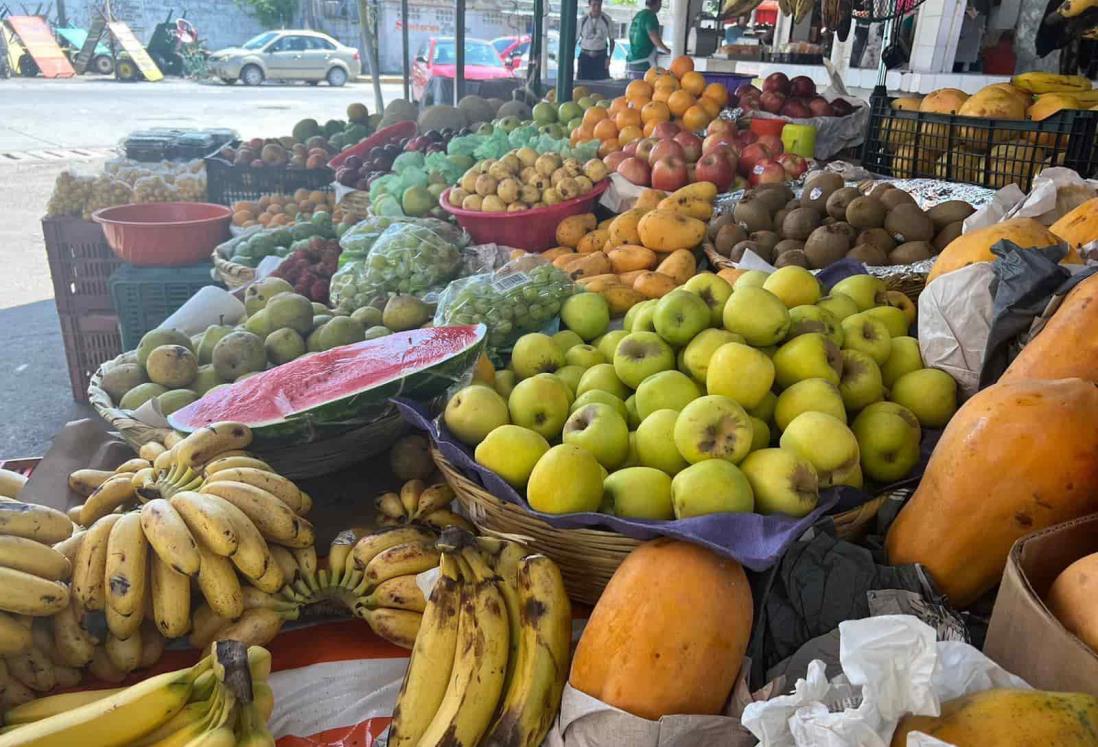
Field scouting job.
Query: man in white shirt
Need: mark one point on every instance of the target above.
(596, 43)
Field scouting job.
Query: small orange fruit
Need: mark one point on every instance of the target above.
(628, 117)
(605, 130)
(696, 118)
(594, 115)
(637, 102)
(679, 101)
(681, 66)
(586, 132)
(650, 125)
(717, 92)
(662, 95)
(666, 81)
(652, 73)
(693, 82)
(618, 104)
(629, 134)
(638, 88)
(608, 146)
(655, 110)
(712, 108)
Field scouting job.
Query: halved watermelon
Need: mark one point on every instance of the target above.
(342, 388)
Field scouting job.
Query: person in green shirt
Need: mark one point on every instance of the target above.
(644, 38)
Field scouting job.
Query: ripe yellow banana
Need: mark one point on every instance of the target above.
(83, 482)
(197, 710)
(207, 443)
(286, 562)
(205, 626)
(1039, 82)
(208, 522)
(101, 667)
(89, 570)
(133, 465)
(433, 498)
(273, 483)
(390, 505)
(444, 517)
(151, 450)
(219, 585)
(14, 636)
(67, 676)
(171, 598)
(402, 560)
(73, 645)
(255, 627)
(117, 719)
(399, 627)
(123, 626)
(252, 557)
(480, 662)
(409, 495)
(399, 593)
(338, 553)
(30, 520)
(1072, 8)
(126, 566)
(164, 462)
(274, 518)
(368, 547)
(68, 547)
(27, 555)
(306, 504)
(152, 645)
(258, 599)
(144, 484)
(169, 536)
(428, 673)
(233, 462)
(306, 558)
(26, 594)
(33, 668)
(505, 558)
(253, 722)
(53, 705)
(11, 483)
(124, 653)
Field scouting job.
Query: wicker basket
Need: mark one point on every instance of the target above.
(135, 433)
(232, 274)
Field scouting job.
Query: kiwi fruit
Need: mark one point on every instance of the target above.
(779, 217)
(792, 257)
(767, 239)
(717, 222)
(908, 222)
(739, 249)
(866, 212)
(878, 237)
(818, 188)
(825, 245)
(879, 189)
(727, 237)
(774, 196)
(792, 204)
(909, 253)
(946, 235)
(799, 223)
(839, 199)
(849, 230)
(893, 198)
(788, 245)
(827, 220)
(753, 214)
(948, 212)
(868, 254)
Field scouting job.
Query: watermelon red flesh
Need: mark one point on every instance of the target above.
(342, 385)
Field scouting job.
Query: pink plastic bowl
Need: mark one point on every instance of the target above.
(164, 234)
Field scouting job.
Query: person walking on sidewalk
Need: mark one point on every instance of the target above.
(596, 43)
(644, 38)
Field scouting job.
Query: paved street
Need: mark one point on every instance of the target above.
(41, 121)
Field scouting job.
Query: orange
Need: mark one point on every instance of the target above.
(717, 92)
(609, 146)
(585, 132)
(637, 102)
(693, 82)
(655, 111)
(662, 95)
(629, 134)
(681, 66)
(628, 117)
(696, 118)
(666, 81)
(679, 101)
(712, 108)
(605, 130)
(595, 115)
(618, 104)
(652, 73)
(638, 88)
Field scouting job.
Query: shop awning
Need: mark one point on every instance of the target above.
(767, 12)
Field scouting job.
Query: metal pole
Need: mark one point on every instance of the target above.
(537, 45)
(566, 54)
(369, 42)
(404, 48)
(62, 16)
(459, 51)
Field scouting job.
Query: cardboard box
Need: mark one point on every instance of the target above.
(1023, 636)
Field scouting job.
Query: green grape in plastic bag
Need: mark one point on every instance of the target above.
(408, 160)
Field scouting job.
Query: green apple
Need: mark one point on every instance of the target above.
(679, 316)
(750, 279)
(566, 480)
(894, 319)
(558, 380)
(583, 355)
(601, 376)
(839, 304)
(643, 319)
(794, 285)
(592, 396)
(760, 434)
(713, 427)
(666, 390)
(535, 353)
(823, 440)
(641, 354)
(929, 393)
(540, 404)
(868, 335)
(783, 482)
(807, 356)
(808, 318)
(634, 418)
(866, 291)
(764, 411)
(861, 383)
(809, 395)
(566, 339)
(608, 343)
(571, 376)
(698, 352)
(631, 460)
(639, 493)
(851, 477)
(656, 442)
(630, 317)
(474, 412)
(710, 487)
(586, 314)
(758, 315)
(888, 436)
(714, 290)
(904, 358)
(601, 430)
(504, 382)
(741, 372)
(511, 451)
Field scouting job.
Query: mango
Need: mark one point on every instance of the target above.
(664, 230)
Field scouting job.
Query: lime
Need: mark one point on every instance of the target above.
(544, 113)
(586, 103)
(569, 111)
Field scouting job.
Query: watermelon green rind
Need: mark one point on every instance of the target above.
(340, 389)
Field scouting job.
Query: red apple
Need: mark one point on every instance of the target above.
(666, 149)
(772, 143)
(796, 109)
(635, 171)
(715, 167)
(630, 148)
(802, 86)
(772, 101)
(729, 153)
(745, 138)
(644, 147)
(842, 107)
(751, 155)
(670, 174)
(766, 171)
(665, 130)
(750, 103)
(777, 82)
(720, 125)
(691, 145)
(712, 141)
(820, 107)
(746, 88)
(612, 160)
(793, 164)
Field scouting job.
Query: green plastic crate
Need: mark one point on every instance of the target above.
(145, 296)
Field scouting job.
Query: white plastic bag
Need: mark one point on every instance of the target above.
(955, 313)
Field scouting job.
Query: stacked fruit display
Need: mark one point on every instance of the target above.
(309, 269)
(284, 210)
(716, 397)
(282, 237)
(523, 180)
(308, 147)
(794, 98)
(124, 181)
(831, 221)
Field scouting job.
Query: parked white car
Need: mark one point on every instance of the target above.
(287, 55)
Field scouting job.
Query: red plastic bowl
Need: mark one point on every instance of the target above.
(533, 230)
(164, 234)
(768, 126)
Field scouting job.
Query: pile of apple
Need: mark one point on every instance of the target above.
(729, 158)
(796, 98)
(750, 396)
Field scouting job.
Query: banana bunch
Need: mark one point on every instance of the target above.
(223, 700)
(734, 8)
(491, 658)
(1038, 82)
(421, 504)
(11, 483)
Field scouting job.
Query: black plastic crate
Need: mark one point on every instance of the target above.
(146, 296)
(988, 152)
(80, 263)
(226, 183)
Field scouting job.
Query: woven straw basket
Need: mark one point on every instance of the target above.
(135, 433)
(232, 274)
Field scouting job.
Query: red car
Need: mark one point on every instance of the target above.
(512, 49)
(438, 57)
